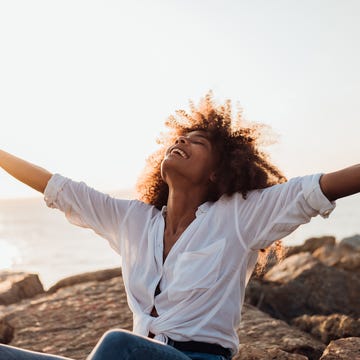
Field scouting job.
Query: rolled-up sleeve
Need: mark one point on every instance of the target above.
(273, 213)
(53, 188)
(86, 207)
(315, 197)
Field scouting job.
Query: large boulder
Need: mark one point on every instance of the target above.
(100, 275)
(343, 349)
(302, 285)
(353, 241)
(327, 328)
(342, 256)
(261, 334)
(311, 244)
(16, 286)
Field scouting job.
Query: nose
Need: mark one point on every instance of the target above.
(181, 139)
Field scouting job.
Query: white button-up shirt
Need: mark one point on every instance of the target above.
(203, 278)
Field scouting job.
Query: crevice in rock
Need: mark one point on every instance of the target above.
(6, 332)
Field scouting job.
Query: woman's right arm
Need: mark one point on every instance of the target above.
(30, 174)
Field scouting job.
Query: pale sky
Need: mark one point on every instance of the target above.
(85, 86)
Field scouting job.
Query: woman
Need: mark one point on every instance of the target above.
(210, 201)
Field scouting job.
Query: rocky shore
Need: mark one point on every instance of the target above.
(306, 307)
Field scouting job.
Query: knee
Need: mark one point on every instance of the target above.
(113, 344)
(117, 337)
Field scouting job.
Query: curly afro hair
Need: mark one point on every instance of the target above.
(242, 165)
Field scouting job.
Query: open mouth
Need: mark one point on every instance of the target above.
(179, 152)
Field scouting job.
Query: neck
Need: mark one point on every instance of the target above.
(181, 208)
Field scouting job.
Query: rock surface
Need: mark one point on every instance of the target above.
(343, 349)
(17, 286)
(327, 328)
(260, 332)
(248, 352)
(353, 241)
(70, 321)
(303, 285)
(339, 256)
(6, 332)
(344, 255)
(311, 244)
(303, 290)
(100, 275)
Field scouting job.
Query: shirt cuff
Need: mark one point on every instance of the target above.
(315, 197)
(53, 188)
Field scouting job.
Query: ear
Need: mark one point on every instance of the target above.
(213, 177)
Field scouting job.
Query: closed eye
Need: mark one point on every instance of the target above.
(196, 142)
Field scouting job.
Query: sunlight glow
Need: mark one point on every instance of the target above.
(87, 85)
(9, 255)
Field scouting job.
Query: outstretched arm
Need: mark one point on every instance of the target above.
(30, 174)
(341, 183)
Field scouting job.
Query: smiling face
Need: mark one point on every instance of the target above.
(192, 158)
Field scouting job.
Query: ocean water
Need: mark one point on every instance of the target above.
(37, 239)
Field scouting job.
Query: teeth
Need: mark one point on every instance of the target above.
(180, 152)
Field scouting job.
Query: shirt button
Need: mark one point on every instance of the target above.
(327, 212)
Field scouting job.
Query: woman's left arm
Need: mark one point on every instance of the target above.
(341, 183)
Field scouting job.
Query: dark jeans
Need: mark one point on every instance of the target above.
(116, 345)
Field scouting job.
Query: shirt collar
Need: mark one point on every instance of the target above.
(163, 211)
(202, 209)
